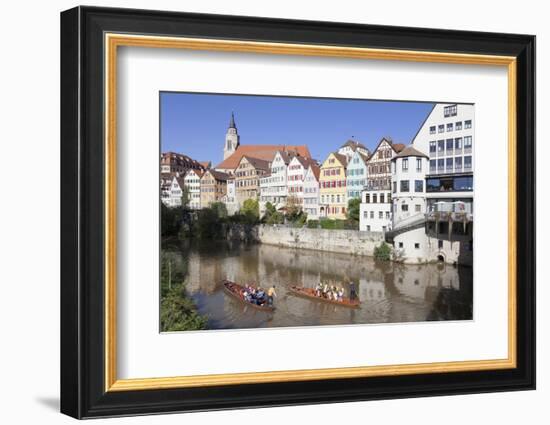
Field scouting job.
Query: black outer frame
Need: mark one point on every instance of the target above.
(82, 219)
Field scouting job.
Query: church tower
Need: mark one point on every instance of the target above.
(231, 138)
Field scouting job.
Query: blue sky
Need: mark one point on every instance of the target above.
(195, 124)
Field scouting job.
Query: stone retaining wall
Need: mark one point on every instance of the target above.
(343, 241)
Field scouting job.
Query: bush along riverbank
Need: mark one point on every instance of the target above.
(178, 311)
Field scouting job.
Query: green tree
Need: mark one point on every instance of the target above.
(353, 212)
(271, 215)
(251, 211)
(382, 252)
(219, 209)
(179, 313)
(208, 225)
(170, 219)
(185, 197)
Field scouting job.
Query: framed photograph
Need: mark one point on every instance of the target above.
(261, 212)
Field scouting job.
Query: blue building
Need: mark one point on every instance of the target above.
(356, 174)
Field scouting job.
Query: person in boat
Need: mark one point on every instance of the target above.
(319, 289)
(270, 295)
(260, 297)
(341, 294)
(325, 291)
(352, 291)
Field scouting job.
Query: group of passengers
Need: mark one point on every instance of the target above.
(258, 296)
(333, 293)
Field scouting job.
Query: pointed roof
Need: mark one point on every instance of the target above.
(342, 158)
(218, 175)
(306, 162)
(397, 147)
(264, 152)
(258, 163)
(353, 144)
(316, 170)
(410, 151)
(232, 121)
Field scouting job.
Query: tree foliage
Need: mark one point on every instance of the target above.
(353, 212)
(271, 215)
(383, 252)
(219, 209)
(251, 210)
(178, 312)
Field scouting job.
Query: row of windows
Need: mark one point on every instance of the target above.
(383, 198)
(404, 186)
(450, 184)
(451, 164)
(310, 201)
(249, 182)
(356, 172)
(405, 165)
(379, 169)
(450, 145)
(405, 208)
(332, 172)
(381, 215)
(333, 183)
(325, 199)
(450, 127)
(336, 210)
(354, 194)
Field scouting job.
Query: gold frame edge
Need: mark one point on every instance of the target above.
(112, 41)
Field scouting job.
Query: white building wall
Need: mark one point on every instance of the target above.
(193, 183)
(295, 179)
(311, 195)
(435, 136)
(408, 187)
(375, 216)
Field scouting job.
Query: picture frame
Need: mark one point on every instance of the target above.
(90, 39)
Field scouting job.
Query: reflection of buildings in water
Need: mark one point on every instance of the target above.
(389, 292)
(371, 290)
(422, 282)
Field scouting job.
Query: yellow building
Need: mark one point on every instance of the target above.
(332, 182)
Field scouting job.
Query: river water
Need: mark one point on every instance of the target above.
(388, 292)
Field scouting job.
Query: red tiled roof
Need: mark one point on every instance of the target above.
(258, 163)
(263, 152)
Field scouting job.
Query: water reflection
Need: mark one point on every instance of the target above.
(388, 292)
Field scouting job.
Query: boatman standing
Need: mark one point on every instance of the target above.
(352, 291)
(270, 294)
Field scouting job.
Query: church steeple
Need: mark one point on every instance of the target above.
(231, 138)
(232, 121)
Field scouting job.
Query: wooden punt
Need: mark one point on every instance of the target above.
(309, 293)
(235, 290)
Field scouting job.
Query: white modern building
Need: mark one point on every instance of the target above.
(311, 192)
(447, 136)
(409, 169)
(192, 181)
